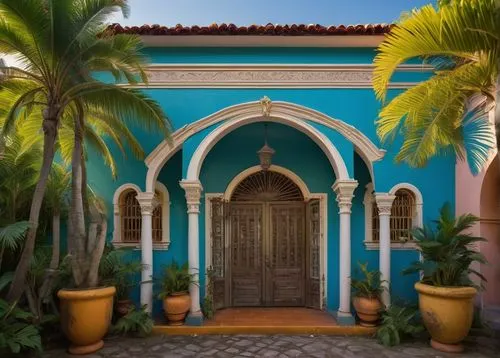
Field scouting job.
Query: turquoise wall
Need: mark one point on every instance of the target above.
(236, 152)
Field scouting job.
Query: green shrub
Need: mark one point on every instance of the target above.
(17, 332)
(447, 253)
(176, 279)
(136, 322)
(398, 323)
(369, 286)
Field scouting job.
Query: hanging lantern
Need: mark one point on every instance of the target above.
(265, 153)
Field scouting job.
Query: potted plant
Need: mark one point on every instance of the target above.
(446, 291)
(175, 292)
(366, 292)
(119, 271)
(87, 307)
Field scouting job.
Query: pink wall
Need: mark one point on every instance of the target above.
(490, 229)
(480, 195)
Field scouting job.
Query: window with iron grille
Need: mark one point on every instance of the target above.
(406, 213)
(131, 219)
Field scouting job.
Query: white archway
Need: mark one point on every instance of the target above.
(367, 150)
(334, 157)
(274, 168)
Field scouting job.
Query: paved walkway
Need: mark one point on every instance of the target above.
(276, 346)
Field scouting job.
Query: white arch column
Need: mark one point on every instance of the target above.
(384, 205)
(148, 202)
(193, 190)
(345, 192)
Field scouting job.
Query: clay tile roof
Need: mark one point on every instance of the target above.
(260, 30)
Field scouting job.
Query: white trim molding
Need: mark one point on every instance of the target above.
(284, 112)
(117, 241)
(268, 76)
(336, 160)
(262, 41)
(369, 201)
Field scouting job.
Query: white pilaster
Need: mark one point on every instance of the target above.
(148, 203)
(384, 205)
(345, 192)
(193, 190)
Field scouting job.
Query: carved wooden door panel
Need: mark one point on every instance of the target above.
(313, 259)
(219, 257)
(285, 255)
(245, 245)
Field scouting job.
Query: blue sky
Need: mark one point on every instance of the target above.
(244, 12)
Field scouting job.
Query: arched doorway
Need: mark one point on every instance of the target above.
(266, 244)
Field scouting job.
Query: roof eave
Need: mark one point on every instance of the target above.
(369, 41)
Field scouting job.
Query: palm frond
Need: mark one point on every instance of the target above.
(11, 236)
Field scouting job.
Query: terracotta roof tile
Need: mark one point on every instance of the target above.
(260, 30)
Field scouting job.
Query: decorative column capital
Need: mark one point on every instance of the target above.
(345, 192)
(193, 191)
(384, 203)
(148, 202)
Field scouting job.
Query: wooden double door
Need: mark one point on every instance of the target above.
(267, 253)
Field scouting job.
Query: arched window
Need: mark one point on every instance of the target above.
(403, 215)
(131, 219)
(128, 217)
(406, 213)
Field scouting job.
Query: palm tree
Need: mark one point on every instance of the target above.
(59, 45)
(449, 111)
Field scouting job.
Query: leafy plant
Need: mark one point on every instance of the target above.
(370, 286)
(17, 332)
(447, 253)
(398, 322)
(136, 322)
(117, 270)
(176, 279)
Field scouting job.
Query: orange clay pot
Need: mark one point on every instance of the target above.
(368, 310)
(176, 307)
(85, 317)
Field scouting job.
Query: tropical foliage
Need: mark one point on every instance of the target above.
(447, 251)
(60, 45)
(447, 113)
(120, 271)
(369, 285)
(176, 279)
(136, 322)
(17, 332)
(398, 323)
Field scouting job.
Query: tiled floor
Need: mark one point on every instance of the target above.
(282, 316)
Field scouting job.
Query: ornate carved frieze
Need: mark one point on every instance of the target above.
(193, 195)
(270, 76)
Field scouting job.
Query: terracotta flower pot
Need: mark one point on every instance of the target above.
(85, 317)
(123, 307)
(176, 307)
(447, 313)
(368, 310)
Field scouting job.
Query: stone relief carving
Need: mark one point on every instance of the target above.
(255, 76)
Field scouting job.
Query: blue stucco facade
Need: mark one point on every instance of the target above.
(295, 151)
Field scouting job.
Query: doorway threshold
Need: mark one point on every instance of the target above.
(267, 321)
